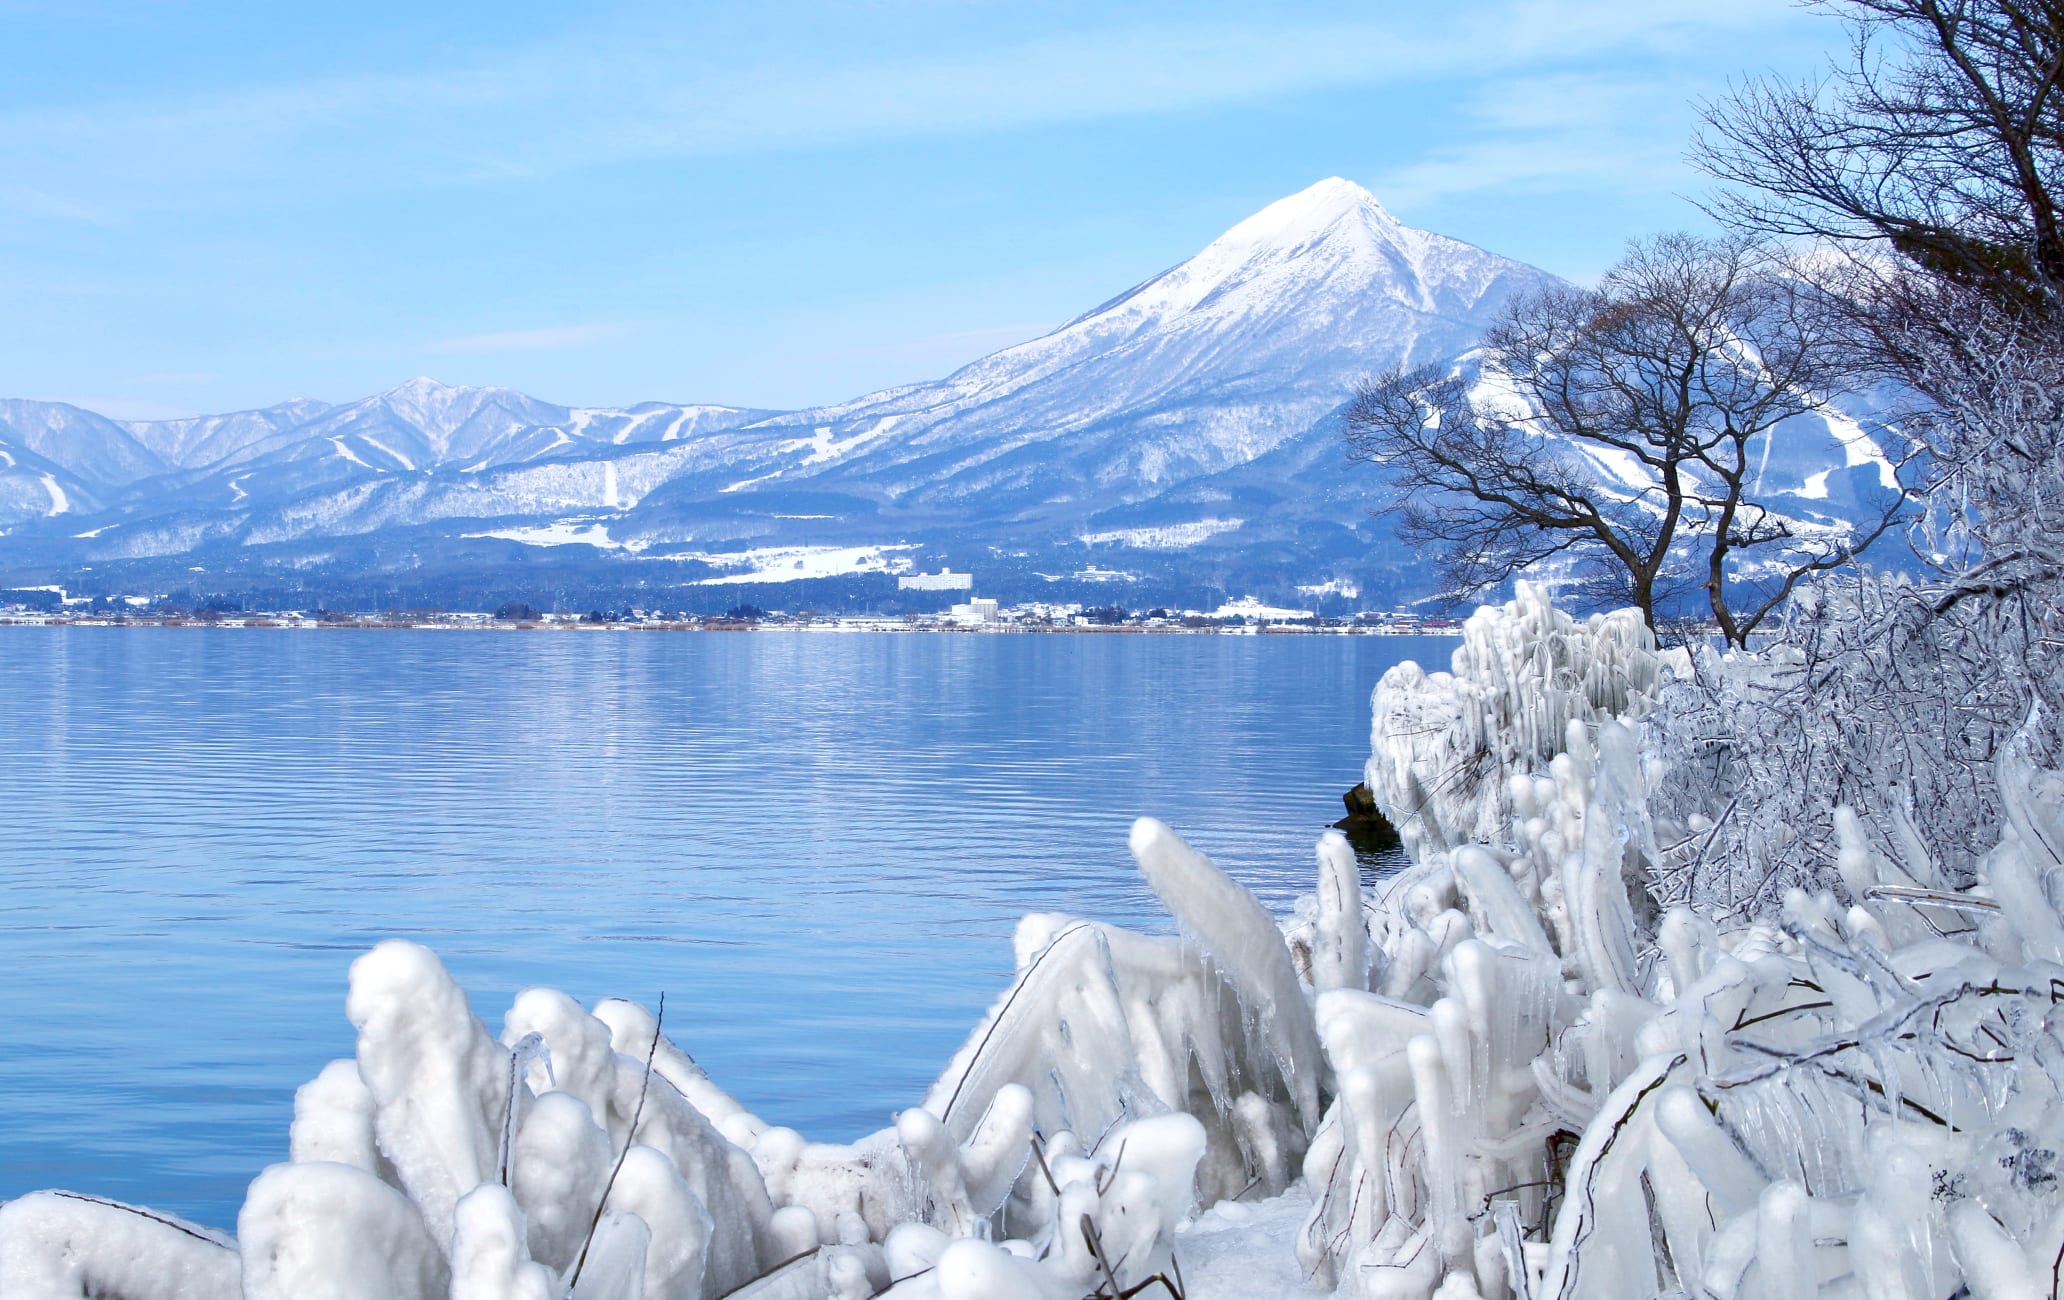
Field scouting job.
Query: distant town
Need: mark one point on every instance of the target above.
(48, 605)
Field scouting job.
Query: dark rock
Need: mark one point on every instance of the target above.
(1360, 803)
(1367, 829)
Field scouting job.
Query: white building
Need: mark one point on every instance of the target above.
(943, 580)
(979, 610)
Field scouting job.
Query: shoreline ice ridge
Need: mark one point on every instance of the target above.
(1508, 1071)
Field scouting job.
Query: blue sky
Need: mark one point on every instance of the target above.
(212, 206)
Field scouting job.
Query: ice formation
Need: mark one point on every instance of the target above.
(1554, 1087)
(1518, 1069)
(1448, 744)
(583, 1154)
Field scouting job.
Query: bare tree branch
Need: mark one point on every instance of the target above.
(1618, 429)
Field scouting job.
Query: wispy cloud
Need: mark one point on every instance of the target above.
(548, 110)
(1593, 131)
(549, 339)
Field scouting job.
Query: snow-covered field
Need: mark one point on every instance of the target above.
(560, 532)
(1249, 607)
(758, 565)
(789, 563)
(1511, 1071)
(1164, 537)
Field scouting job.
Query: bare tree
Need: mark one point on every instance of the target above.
(1935, 151)
(1897, 698)
(1942, 132)
(1941, 136)
(1621, 429)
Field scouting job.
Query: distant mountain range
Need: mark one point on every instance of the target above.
(1181, 439)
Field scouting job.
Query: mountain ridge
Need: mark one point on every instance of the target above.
(1222, 375)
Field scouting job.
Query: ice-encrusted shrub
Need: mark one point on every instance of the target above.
(1446, 745)
(1548, 1090)
(1887, 695)
(1878, 699)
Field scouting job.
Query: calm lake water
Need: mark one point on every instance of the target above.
(816, 845)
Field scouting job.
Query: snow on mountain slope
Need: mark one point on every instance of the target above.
(419, 425)
(322, 486)
(1205, 366)
(204, 440)
(58, 459)
(656, 422)
(540, 488)
(90, 447)
(422, 424)
(375, 460)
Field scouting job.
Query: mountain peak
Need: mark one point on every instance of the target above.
(1334, 232)
(1313, 212)
(1327, 199)
(427, 399)
(420, 386)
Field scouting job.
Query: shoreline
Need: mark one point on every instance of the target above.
(820, 626)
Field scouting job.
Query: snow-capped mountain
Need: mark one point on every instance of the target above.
(209, 439)
(1187, 426)
(1204, 367)
(56, 458)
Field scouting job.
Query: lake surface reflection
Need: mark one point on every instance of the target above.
(816, 845)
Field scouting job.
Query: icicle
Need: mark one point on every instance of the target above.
(1340, 958)
(1724, 1171)
(614, 1267)
(1244, 943)
(676, 1255)
(1491, 889)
